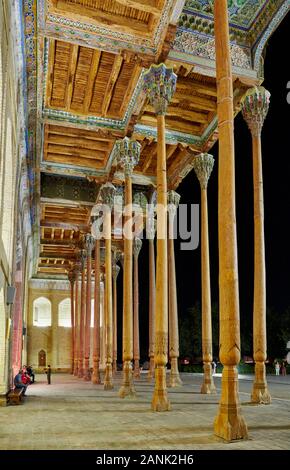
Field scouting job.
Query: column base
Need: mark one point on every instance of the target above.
(136, 369)
(229, 423)
(96, 379)
(150, 375)
(108, 380)
(160, 400)
(80, 370)
(76, 369)
(208, 386)
(114, 366)
(127, 389)
(175, 380)
(260, 392)
(87, 372)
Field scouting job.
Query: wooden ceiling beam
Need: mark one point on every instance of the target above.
(193, 101)
(59, 139)
(104, 19)
(94, 163)
(91, 81)
(76, 151)
(150, 6)
(78, 132)
(67, 226)
(111, 84)
(148, 160)
(191, 86)
(56, 254)
(71, 75)
(174, 111)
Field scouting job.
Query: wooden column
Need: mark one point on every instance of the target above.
(77, 321)
(159, 84)
(136, 345)
(83, 256)
(96, 379)
(203, 166)
(72, 278)
(175, 380)
(116, 270)
(229, 423)
(255, 109)
(128, 154)
(107, 194)
(151, 229)
(90, 243)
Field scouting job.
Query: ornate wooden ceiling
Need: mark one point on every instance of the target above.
(85, 63)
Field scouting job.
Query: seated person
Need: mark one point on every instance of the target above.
(31, 374)
(18, 382)
(25, 378)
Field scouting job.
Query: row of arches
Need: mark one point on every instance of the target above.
(42, 313)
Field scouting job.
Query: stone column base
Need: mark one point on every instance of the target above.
(96, 379)
(87, 373)
(208, 385)
(127, 389)
(108, 380)
(136, 369)
(160, 400)
(229, 423)
(175, 380)
(150, 375)
(260, 392)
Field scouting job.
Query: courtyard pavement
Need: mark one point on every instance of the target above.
(73, 414)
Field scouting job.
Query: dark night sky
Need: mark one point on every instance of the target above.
(276, 170)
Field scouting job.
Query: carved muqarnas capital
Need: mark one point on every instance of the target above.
(128, 154)
(159, 85)
(107, 192)
(115, 271)
(203, 166)
(83, 257)
(89, 243)
(255, 108)
(72, 276)
(173, 199)
(137, 245)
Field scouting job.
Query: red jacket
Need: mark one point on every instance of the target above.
(25, 379)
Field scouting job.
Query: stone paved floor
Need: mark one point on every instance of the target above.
(73, 414)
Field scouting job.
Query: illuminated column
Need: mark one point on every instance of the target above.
(89, 243)
(203, 166)
(229, 423)
(137, 245)
(151, 229)
(255, 109)
(72, 278)
(83, 256)
(96, 338)
(128, 154)
(116, 270)
(77, 321)
(107, 194)
(159, 84)
(175, 380)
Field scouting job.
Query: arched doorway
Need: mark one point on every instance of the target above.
(42, 358)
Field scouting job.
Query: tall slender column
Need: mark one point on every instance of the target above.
(116, 270)
(107, 194)
(255, 109)
(72, 278)
(77, 321)
(96, 338)
(175, 380)
(229, 423)
(203, 166)
(151, 229)
(159, 84)
(90, 243)
(83, 256)
(128, 154)
(137, 245)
